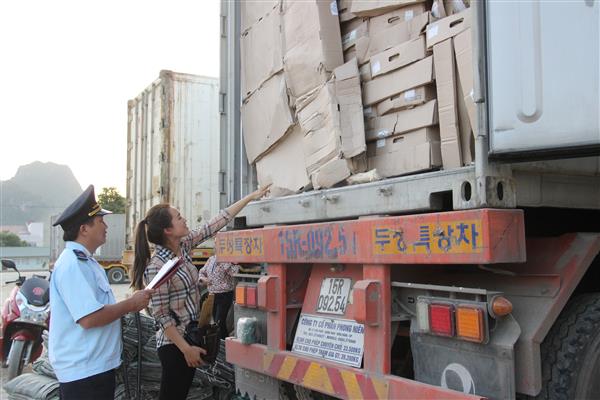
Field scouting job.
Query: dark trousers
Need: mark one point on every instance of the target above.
(221, 305)
(95, 387)
(176, 377)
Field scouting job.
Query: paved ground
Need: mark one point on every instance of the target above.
(120, 291)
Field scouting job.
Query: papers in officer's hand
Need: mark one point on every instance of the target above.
(165, 273)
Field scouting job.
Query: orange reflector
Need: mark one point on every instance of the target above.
(250, 296)
(240, 295)
(501, 306)
(469, 324)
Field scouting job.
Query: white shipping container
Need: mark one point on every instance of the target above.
(173, 149)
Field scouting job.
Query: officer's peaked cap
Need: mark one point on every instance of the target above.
(83, 208)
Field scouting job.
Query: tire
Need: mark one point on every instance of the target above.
(116, 275)
(15, 358)
(571, 352)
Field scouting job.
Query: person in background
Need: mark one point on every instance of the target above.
(85, 328)
(176, 303)
(219, 279)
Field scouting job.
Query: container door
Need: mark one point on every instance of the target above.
(543, 77)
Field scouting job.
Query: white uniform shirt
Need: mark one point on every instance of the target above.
(78, 287)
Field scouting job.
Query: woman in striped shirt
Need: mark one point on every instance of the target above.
(175, 304)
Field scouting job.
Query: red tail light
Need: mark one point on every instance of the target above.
(250, 296)
(441, 319)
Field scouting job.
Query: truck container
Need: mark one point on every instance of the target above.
(173, 149)
(478, 281)
(109, 255)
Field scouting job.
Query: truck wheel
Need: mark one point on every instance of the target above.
(571, 352)
(16, 357)
(116, 275)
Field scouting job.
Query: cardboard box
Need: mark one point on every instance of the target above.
(344, 12)
(349, 99)
(373, 8)
(395, 17)
(378, 41)
(464, 61)
(365, 72)
(253, 11)
(448, 27)
(348, 26)
(398, 56)
(338, 169)
(312, 44)
(266, 117)
(408, 99)
(350, 54)
(467, 140)
(445, 82)
(455, 6)
(402, 121)
(359, 29)
(331, 119)
(283, 166)
(332, 172)
(386, 86)
(409, 153)
(261, 52)
(438, 10)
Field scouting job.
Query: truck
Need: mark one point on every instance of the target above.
(173, 152)
(474, 282)
(111, 255)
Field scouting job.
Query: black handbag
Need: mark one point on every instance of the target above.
(206, 337)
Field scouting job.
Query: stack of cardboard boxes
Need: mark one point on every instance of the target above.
(331, 90)
(409, 82)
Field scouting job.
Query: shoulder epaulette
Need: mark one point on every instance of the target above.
(80, 255)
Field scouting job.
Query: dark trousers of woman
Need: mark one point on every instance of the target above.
(222, 302)
(95, 387)
(176, 377)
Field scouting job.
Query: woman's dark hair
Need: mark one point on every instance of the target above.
(150, 229)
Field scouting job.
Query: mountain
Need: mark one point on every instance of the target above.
(37, 191)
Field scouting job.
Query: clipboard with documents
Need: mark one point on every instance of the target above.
(165, 273)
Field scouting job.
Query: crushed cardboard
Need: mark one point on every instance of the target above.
(253, 11)
(283, 166)
(261, 52)
(266, 117)
(464, 61)
(445, 81)
(312, 44)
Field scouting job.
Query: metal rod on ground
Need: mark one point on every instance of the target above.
(138, 388)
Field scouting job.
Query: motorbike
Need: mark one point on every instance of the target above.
(25, 316)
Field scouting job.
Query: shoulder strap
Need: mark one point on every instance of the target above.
(80, 255)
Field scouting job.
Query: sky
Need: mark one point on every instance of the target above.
(68, 68)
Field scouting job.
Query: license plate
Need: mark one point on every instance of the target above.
(334, 295)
